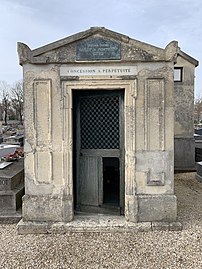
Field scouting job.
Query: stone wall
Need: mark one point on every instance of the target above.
(148, 125)
(184, 107)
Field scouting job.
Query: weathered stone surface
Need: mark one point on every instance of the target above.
(184, 107)
(47, 208)
(63, 51)
(154, 172)
(131, 209)
(157, 208)
(167, 226)
(176, 226)
(96, 223)
(33, 227)
(160, 226)
(148, 133)
(87, 223)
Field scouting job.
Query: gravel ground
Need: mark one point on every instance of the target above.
(155, 250)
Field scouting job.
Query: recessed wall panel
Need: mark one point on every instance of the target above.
(42, 109)
(154, 114)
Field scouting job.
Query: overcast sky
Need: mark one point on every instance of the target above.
(157, 22)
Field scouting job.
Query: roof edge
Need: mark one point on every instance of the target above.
(24, 53)
(188, 58)
(78, 36)
(169, 53)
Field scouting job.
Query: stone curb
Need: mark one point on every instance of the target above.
(167, 226)
(74, 226)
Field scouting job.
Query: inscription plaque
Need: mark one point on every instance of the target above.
(98, 49)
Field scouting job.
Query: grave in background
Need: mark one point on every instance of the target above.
(11, 191)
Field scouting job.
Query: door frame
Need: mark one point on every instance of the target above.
(130, 95)
(99, 153)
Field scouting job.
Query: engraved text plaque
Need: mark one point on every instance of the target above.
(98, 49)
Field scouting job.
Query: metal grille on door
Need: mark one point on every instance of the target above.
(99, 122)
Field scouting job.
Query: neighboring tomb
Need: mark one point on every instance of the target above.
(11, 190)
(99, 125)
(1, 133)
(15, 140)
(199, 171)
(198, 147)
(184, 74)
(6, 149)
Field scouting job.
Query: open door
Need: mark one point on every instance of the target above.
(98, 146)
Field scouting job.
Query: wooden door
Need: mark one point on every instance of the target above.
(99, 151)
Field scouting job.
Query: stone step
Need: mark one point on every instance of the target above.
(95, 223)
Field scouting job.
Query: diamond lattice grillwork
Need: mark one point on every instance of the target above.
(99, 120)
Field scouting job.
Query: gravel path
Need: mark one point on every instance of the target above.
(155, 250)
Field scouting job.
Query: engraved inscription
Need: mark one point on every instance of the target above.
(98, 49)
(3, 182)
(100, 70)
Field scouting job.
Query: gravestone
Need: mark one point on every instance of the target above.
(199, 171)
(198, 147)
(11, 191)
(1, 133)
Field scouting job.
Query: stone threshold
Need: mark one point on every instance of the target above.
(95, 223)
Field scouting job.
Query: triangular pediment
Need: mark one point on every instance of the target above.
(93, 32)
(96, 44)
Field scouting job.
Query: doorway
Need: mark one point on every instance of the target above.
(98, 151)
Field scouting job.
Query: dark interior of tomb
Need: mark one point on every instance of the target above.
(111, 181)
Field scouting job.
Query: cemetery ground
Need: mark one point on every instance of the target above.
(155, 250)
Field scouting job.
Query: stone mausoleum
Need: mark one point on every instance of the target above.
(99, 126)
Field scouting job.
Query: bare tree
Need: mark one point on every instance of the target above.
(5, 103)
(17, 99)
(1, 111)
